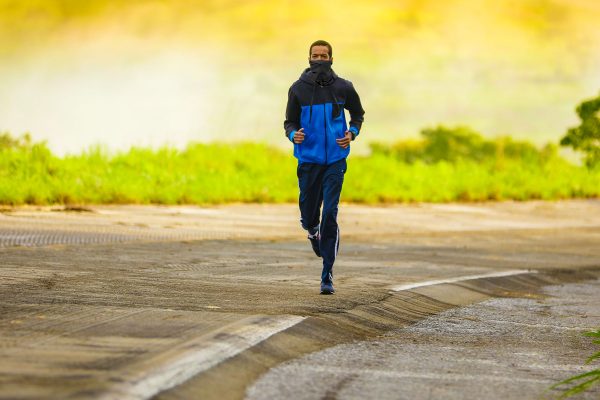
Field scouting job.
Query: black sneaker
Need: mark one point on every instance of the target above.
(315, 242)
(327, 288)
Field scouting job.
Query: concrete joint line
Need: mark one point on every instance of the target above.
(462, 279)
(198, 355)
(366, 372)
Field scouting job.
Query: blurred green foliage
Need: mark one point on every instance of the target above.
(448, 164)
(459, 164)
(200, 174)
(8, 142)
(463, 144)
(586, 137)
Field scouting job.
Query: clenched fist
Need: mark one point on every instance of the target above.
(345, 141)
(299, 136)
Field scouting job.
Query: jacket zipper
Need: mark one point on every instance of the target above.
(325, 124)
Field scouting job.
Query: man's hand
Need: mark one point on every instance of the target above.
(299, 136)
(345, 141)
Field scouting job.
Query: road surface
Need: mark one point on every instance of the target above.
(136, 302)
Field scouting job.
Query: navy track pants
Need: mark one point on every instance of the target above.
(322, 185)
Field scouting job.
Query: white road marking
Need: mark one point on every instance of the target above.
(461, 279)
(198, 355)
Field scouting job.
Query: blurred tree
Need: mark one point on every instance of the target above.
(452, 144)
(586, 137)
(7, 141)
(461, 143)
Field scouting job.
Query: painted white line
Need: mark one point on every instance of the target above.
(461, 279)
(198, 355)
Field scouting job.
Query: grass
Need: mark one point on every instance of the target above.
(446, 165)
(582, 382)
(201, 174)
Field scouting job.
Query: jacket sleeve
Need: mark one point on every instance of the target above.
(356, 111)
(292, 114)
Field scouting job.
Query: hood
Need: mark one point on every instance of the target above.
(309, 77)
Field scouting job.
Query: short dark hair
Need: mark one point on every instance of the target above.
(321, 43)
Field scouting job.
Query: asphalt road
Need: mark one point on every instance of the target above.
(502, 348)
(189, 302)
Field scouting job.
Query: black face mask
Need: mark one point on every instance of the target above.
(321, 68)
(323, 75)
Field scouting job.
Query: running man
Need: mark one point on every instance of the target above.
(316, 123)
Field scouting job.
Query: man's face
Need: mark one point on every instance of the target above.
(320, 53)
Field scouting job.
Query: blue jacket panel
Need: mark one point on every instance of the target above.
(319, 110)
(320, 132)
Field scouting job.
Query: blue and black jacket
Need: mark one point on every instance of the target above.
(318, 107)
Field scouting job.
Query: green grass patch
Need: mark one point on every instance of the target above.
(446, 165)
(582, 382)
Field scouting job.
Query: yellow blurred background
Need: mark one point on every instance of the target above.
(150, 72)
